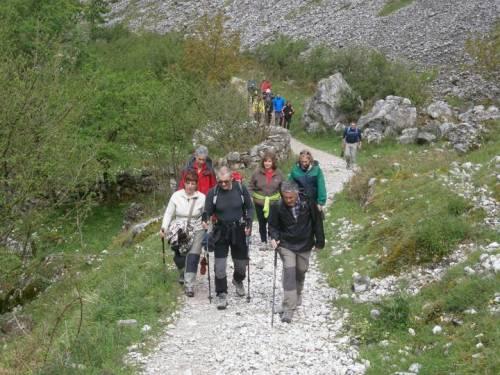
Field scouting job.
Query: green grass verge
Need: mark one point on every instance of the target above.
(388, 345)
(392, 6)
(122, 283)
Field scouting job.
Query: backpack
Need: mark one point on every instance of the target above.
(251, 86)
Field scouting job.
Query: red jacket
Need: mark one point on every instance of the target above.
(206, 176)
(264, 85)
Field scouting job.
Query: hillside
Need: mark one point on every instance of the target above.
(425, 31)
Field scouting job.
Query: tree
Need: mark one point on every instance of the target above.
(212, 52)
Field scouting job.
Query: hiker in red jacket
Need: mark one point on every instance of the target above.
(264, 86)
(202, 165)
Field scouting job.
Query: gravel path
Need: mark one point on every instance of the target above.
(203, 340)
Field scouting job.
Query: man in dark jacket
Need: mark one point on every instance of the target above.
(232, 205)
(295, 227)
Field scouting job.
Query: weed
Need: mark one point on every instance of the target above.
(392, 6)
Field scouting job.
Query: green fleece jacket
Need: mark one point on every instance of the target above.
(311, 182)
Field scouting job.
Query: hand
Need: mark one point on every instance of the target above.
(248, 231)
(204, 224)
(320, 208)
(162, 233)
(275, 244)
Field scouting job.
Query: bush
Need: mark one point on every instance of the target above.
(486, 50)
(350, 104)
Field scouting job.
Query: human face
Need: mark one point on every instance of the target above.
(290, 198)
(305, 161)
(200, 160)
(268, 163)
(225, 182)
(190, 187)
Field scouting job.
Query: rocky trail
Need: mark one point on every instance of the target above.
(203, 340)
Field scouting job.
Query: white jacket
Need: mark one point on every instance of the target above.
(178, 208)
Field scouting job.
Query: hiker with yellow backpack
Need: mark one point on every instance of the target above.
(265, 187)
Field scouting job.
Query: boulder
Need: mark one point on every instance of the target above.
(372, 136)
(439, 110)
(425, 138)
(464, 137)
(321, 111)
(408, 136)
(390, 117)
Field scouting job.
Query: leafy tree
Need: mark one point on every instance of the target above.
(212, 52)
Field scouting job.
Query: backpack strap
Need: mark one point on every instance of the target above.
(240, 189)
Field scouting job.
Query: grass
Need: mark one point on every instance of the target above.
(438, 304)
(121, 283)
(392, 6)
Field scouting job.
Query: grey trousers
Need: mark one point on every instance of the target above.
(192, 259)
(350, 153)
(295, 266)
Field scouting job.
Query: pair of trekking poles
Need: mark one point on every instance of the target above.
(207, 257)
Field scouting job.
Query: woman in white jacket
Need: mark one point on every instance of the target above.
(181, 204)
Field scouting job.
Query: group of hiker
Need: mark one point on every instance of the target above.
(213, 210)
(267, 107)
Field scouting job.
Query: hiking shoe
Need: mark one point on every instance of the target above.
(287, 316)
(221, 301)
(189, 291)
(240, 289)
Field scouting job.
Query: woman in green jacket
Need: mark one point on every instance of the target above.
(309, 176)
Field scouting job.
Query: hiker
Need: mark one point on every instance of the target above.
(264, 186)
(183, 218)
(264, 86)
(309, 176)
(288, 112)
(278, 105)
(232, 205)
(268, 105)
(202, 165)
(258, 110)
(295, 227)
(351, 142)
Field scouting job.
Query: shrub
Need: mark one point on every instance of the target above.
(350, 104)
(486, 50)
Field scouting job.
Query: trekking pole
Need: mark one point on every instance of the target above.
(207, 256)
(248, 267)
(274, 284)
(164, 266)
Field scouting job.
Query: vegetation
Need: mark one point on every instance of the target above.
(410, 218)
(485, 50)
(392, 6)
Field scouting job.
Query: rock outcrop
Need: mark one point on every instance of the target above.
(321, 111)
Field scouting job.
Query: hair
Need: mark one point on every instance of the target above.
(191, 176)
(268, 155)
(223, 171)
(306, 152)
(289, 187)
(201, 151)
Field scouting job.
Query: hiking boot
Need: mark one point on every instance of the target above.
(287, 316)
(189, 291)
(221, 301)
(240, 289)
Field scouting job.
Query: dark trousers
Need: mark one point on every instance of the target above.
(286, 122)
(259, 210)
(234, 239)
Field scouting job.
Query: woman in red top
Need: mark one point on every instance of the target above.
(202, 165)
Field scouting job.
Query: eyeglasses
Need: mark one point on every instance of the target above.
(224, 182)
